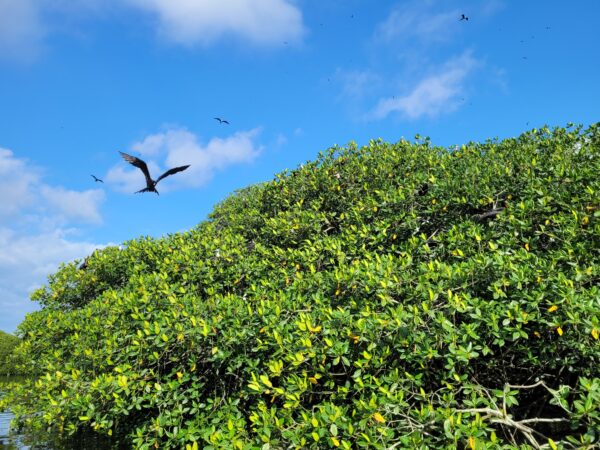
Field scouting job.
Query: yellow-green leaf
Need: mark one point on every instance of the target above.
(265, 380)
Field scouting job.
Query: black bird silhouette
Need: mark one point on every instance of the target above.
(463, 17)
(221, 120)
(150, 183)
(96, 179)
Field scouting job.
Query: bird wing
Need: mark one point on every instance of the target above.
(171, 172)
(219, 119)
(137, 162)
(224, 121)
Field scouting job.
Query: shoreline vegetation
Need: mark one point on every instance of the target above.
(395, 295)
(8, 362)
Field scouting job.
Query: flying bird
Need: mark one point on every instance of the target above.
(221, 120)
(463, 17)
(96, 179)
(150, 183)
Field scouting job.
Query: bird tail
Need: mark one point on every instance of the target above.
(147, 190)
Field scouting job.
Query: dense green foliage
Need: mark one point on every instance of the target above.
(8, 343)
(390, 296)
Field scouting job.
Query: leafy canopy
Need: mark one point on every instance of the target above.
(388, 296)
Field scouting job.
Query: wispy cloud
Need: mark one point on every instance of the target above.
(418, 21)
(355, 84)
(407, 73)
(178, 146)
(21, 30)
(263, 22)
(36, 233)
(428, 22)
(433, 95)
(417, 84)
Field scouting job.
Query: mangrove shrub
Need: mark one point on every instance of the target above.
(387, 296)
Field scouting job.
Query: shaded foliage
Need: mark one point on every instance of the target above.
(367, 299)
(8, 362)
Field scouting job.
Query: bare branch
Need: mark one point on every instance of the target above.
(531, 386)
(501, 418)
(543, 420)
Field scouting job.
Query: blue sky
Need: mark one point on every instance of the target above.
(82, 79)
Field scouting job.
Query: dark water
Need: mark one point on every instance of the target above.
(12, 440)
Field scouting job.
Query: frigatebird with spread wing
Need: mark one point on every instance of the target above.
(150, 183)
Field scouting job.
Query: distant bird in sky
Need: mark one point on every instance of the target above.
(96, 179)
(463, 17)
(221, 120)
(150, 183)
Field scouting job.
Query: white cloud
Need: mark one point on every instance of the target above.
(25, 262)
(434, 94)
(21, 29)
(187, 22)
(73, 204)
(24, 193)
(205, 21)
(178, 147)
(34, 238)
(17, 183)
(150, 146)
(37, 255)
